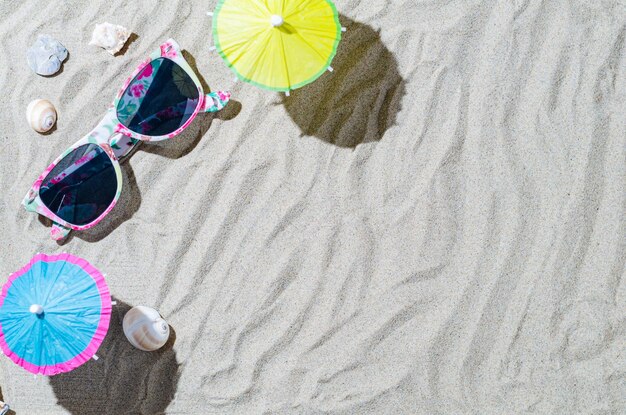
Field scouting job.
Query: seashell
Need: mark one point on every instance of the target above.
(110, 37)
(46, 55)
(41, 115)
(145, 328)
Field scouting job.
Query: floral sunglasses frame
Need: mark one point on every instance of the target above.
(112, 137)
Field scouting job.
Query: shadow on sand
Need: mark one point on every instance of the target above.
(124, 380)
(359, 100)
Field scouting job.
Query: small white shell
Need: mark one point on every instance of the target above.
(110, 37)
(41, 115)
(145, 328)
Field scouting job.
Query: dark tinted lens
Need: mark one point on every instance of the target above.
(81, 187)
(159, 100)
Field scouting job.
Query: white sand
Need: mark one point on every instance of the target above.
(436, 227)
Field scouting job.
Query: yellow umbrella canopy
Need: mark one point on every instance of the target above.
(277, 44)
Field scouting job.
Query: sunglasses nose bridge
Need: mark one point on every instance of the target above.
(114, 138)
(105, 128)
(121, 144)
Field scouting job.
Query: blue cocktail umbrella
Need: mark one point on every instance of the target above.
(54, 314)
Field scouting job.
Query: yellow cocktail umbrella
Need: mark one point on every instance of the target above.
(277, 44)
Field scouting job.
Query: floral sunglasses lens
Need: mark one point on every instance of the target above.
(159, 100)
(81, 186)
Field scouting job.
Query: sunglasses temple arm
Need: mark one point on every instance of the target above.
(215, 101)
(58, 232)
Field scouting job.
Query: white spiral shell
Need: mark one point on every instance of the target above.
(41, 115)
(145, 328)
(110, 37)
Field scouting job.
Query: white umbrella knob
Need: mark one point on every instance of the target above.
(276, 20)
(36, 309)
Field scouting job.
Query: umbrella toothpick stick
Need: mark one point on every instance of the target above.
(277, 20)
(36, 309)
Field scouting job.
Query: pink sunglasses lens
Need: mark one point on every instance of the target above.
(81, 186)
(159, 100)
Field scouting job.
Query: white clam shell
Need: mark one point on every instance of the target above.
(41, 115)
(110, 37)
(145, 328)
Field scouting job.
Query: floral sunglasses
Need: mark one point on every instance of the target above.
(158, 101)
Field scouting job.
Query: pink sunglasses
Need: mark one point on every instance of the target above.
(159, 100)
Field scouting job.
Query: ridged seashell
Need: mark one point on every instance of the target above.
(145, 328)
(41, 115)
(110, 37)
(46, 55)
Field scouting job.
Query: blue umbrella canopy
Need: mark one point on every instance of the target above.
(54, 314)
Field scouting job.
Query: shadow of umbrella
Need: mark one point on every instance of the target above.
(359, 100)
(124, 380)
